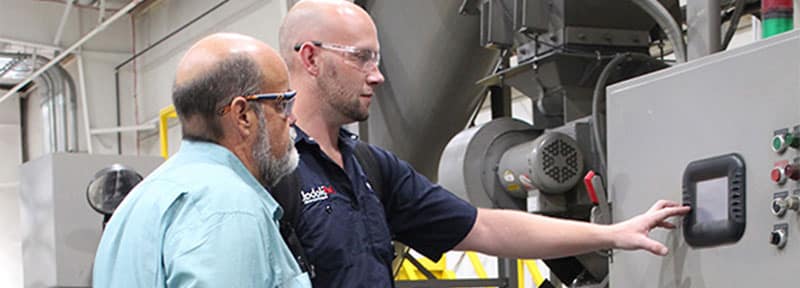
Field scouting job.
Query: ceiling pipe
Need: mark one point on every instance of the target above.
(29, 44)
(63, 22)
(69, 50)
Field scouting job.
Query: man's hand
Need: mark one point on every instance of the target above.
(632, 233)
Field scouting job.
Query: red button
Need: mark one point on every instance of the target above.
(777, 175)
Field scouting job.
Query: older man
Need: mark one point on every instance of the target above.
(203, 219)
(332, 50)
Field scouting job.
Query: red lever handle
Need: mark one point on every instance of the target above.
(587, 180)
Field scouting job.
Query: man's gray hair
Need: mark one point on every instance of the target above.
(199, 101)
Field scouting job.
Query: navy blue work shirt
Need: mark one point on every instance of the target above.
(346, 231)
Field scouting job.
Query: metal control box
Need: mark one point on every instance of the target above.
(732, 102)
(60, 231)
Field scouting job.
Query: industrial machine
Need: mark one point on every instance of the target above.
(61, 229)
(561, 49)
(688, 133)
(718, 134)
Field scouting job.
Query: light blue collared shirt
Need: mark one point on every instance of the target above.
(199, 220)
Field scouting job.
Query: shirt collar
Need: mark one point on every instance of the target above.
(217, 154)
(346, 137)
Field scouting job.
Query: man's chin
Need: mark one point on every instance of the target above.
(288, 165)
(361, 117)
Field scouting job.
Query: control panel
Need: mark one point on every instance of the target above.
(660, 124)
(785, 174)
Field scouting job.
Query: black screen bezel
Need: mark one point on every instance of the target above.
(730, 230)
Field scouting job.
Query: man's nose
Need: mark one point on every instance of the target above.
(375, 77)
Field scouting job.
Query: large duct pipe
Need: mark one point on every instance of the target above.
(71, 117)
(431, 65)
(61, 99)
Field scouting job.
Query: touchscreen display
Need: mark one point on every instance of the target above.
(712, 200)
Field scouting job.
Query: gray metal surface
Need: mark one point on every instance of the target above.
(728, 102)
(60, 231)
(431, 65)
(703, 32)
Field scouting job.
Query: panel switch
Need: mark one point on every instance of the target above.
(778, 238)
(781, 204)
(782, 141)
(779, 235)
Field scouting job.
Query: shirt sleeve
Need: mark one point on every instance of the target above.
(421, 214)
(220, 250)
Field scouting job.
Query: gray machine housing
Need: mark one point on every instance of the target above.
(507, 163)
(60, 230)
(487, 166)
(731, 102)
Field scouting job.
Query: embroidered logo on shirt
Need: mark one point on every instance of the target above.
(316, 194)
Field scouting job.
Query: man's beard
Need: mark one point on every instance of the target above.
(338, 97)
(272, 170)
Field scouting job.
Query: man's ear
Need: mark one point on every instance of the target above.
(309, 58)
(245, 120)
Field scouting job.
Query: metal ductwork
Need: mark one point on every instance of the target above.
(431, 66)
(58, 105)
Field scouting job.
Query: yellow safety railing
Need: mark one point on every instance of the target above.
(476, 264)
(163, 117)
(439, 269)
(533, 269)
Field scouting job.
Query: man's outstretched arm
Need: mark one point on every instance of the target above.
(508, 233)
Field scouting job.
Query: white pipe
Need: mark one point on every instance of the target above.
(69, 50)
(34, 58)
(9, 184)
(665, 20)
(29, 44)
(102, 11)
(796, 14)
(85, 105)
(756, 28)
(150, 126)
(63, 22)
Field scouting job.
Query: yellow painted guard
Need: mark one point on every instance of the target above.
(163, 117)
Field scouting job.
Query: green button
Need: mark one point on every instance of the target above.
(777, 142)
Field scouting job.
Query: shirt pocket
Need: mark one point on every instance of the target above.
(329, 233)
(378, 228)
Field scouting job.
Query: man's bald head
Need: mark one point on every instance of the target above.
(334, 21)
(216, 69)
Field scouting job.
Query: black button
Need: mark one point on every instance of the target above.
(776, 208)
(775, 238)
